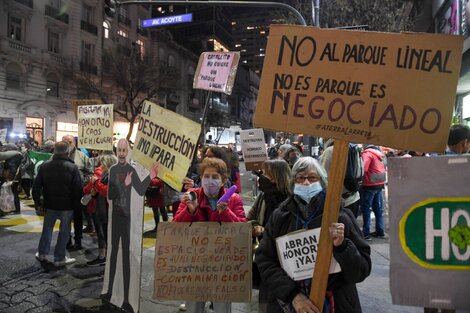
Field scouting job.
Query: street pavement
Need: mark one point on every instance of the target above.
(27, 285)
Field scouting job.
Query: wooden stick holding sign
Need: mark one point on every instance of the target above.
(330, 215)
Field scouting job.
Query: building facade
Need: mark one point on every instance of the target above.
(42, 42)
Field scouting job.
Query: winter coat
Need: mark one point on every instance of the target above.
(59, 182)
(374, 167)
(233, 213)
(155, 194)
(353, 256)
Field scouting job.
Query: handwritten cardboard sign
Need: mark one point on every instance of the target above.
(203, 262)
(253, 148)
(95, 126)
(429, 231)
(168, 138)
(297, 253)
(216, 71)
(389, 89)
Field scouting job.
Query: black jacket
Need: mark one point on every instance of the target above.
(59, 182)
(353, 256)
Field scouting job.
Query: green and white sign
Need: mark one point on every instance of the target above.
(429, 201)
(436, 234)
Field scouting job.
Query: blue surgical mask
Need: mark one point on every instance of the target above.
(211, 186)
(307, 192)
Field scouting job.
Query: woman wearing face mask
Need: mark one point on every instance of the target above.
(213, 173)
(303, 212)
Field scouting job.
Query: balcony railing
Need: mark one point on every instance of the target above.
(92, 29)
(55, 57)
(28, 3)
(89, 68)
(18, 45)
(124, 20)
(55, 13)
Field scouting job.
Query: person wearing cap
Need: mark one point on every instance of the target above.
(59, 182)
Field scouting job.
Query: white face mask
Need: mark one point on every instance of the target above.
(307, 192)
(211, 186)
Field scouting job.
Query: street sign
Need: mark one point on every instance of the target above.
(167, 20)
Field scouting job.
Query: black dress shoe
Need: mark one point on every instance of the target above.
(76, 247)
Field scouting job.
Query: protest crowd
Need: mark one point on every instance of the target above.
(72, 185)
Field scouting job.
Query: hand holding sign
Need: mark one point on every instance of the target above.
(337, 233)
(303, 304)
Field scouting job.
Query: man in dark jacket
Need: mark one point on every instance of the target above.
(59, 182)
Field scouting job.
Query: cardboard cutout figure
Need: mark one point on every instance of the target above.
(126, 189)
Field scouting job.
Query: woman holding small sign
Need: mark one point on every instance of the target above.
(202, 204)
(286, 256)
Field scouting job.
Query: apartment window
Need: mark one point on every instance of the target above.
(52, 85)
(88, 53)
(106, 28)
(15, 27)
(123, 11)
(53, 41)
(140, 48)
(123, 33)
(14, 76)
(88, 14)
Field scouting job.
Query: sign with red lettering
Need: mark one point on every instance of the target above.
(253, 148)
(216, 71)
(389, 89)
(203, 261)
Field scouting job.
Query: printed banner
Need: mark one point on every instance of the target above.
(253, 148)
(216, 71)
(95, 126)
(203, 262)
(168, 138)
(396, 90)
(297, 253)
(430, 231)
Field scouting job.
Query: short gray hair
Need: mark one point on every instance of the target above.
(305, 164)
(108, 160)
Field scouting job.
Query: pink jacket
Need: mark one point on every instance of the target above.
(204, 213)
(374, 167)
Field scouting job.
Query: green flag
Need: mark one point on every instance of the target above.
(38, 158)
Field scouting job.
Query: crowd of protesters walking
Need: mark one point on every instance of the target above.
(291, 199)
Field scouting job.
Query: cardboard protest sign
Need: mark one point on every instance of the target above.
(3, 135)
(168, 138)
(430, 231)
(95, 126)
(78, 102)
(390, 89)
(297, 253)
(253, 148)
(203, 262)
(216, 71)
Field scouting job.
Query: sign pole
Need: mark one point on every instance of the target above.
(330, 215)
(203, 121)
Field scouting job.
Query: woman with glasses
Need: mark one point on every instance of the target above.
(291, 236)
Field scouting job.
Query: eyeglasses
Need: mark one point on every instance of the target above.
(311, 179)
